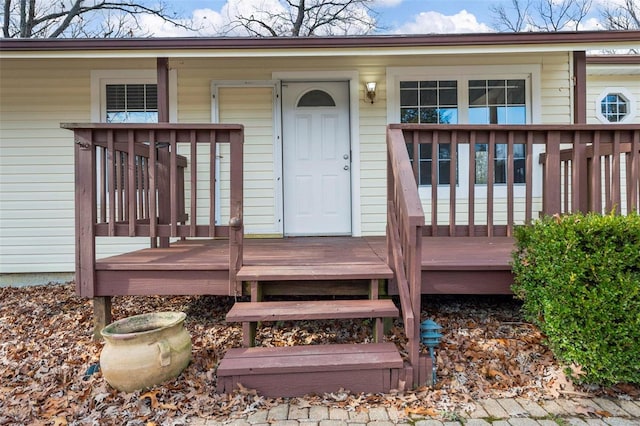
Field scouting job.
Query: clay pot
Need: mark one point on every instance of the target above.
(145, 350)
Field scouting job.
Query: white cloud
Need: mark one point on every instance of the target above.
(386, 3)
(437, 23)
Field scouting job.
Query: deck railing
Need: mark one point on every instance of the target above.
(405, 220)
(497, 183)
(611, 161)
(130, 181)
(488, 183)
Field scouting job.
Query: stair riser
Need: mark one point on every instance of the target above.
(302, 383)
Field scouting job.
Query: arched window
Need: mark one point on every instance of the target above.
(316, 98)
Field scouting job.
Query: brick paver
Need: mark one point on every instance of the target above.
(610, 406)
(378, 414)
(512, 407)
(630, 407)
(494, 409)
(338, 414)
(575, 421)
(298, 413)
(533, 408)
(358, 417)
(331, 423)
(546, 422)
(428, 423)
(258, 417)
(619, 421)
(520, 421)
(552, 407)
(477, 422)
(479, 412)
(318, 413)
(279, 412)
(595, 422)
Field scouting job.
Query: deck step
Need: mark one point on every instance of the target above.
(311, 310)
(335, 271)
(299, 370)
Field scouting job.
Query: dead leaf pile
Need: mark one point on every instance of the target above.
(49, 374)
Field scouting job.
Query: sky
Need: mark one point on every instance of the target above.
(395, 16)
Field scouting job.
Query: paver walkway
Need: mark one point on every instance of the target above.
(496, 412)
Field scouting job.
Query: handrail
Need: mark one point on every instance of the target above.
(405, 219)
(130, 181)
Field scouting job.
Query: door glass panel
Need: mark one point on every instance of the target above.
(316, 98)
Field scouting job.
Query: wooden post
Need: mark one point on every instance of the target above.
(236, 227)
(164, 181)
(101, 315)
(551, 198)
(580, 186)
(579, 178)
(85, 203)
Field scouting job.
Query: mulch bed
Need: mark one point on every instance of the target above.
(48, 360)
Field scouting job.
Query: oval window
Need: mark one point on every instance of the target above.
(316, 98)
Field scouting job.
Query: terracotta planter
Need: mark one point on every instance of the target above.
(145, 350)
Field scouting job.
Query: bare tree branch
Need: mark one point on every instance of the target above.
(622, 17)
(514, 21)
(6, 18)
(86, 18)
(305, 18)
(541, 15)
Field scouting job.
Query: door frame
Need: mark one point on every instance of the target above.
(353, 79)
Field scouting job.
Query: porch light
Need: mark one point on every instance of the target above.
(431, 338)
(371, 90)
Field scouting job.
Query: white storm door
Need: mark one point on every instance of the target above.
(316, 158)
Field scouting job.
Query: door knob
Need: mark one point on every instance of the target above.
(346, 167)
(346, 156)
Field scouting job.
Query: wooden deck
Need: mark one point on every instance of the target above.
(478, 265)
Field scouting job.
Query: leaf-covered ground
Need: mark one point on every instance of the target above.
(48, 358)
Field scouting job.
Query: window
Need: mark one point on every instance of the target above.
(500, 101)
(497, 102)
(615, 105)
(429, 102)
(131, 103)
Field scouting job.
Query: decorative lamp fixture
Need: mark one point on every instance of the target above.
(371, 90)
(431, 338)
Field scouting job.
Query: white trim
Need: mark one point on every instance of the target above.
(277, 145)
(631, 105)
(353, 77)
(100, 78)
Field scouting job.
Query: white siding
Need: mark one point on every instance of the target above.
(599, 84)
(253, 107)
(36, 163)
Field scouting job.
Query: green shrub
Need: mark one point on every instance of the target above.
(579, 277)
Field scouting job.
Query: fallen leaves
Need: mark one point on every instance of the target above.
(48, 372)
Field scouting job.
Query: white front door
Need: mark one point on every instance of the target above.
(316, 158)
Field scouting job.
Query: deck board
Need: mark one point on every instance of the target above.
(311, 310)
(205, 261)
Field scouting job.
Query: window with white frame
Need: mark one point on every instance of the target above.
(475, 101)
(615, 105)
(131, 103)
